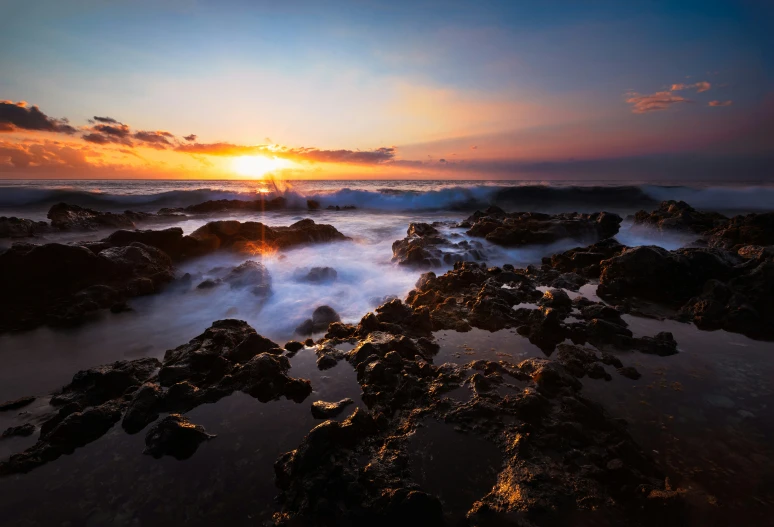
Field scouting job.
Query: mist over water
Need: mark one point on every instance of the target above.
(365, 276)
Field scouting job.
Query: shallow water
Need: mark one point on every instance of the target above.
(457, 468)
(706, 413)
(229, 480)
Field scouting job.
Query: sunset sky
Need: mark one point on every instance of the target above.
(646, 90)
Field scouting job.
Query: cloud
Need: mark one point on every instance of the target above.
(358, 157)
(474, 147)
(103, 134)
(108, 120)
(720, 103)
(654, 102)
(157, 139)
(17, 115)
(46, 154)
(701, 86)
(191, 137)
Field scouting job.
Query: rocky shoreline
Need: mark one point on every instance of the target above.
(559, 454)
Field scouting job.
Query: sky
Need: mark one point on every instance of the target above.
(602, 90)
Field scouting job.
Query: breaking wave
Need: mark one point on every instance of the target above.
(366, 195)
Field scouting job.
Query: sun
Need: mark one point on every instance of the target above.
(257, 166)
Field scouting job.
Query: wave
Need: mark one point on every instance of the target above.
(511, 197)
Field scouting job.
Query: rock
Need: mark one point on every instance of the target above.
(586, 260)
(171, 240)
(557, 299)
(24, 430)
(209, 283)
(662, 344)
(21, 228)
(97, 385)
(175, 436)
(322, 317)
(317, 275)
(206, 358)
(323, 410)
(17, 403)
(528, 228)
(73, 217)
(312, 204)
(75, 430)
(630, 372)
(250, 274)
(60, 284)
(256, 238)
(679, 216)
(293, 346)
(750, 229)
(653, 273)
(143, 408)
(424, 247)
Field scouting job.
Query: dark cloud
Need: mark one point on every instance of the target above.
(17, 115)
(357, 157)
(157, 139)
(121, 130)
(107, 120)
(103, 134)
(97, 139)
(191, 137)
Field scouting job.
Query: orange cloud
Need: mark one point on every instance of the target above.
(720, 103)
(654, 102)
(700, 86)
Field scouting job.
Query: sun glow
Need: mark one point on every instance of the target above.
(257, 166)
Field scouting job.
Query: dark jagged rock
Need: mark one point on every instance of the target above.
(424, 247)
(171, 241)
(257, 238)
(14, 227)
(653, 273)
(209, 283)
(142, 408)
(229, 356)
(751, 229)
(17, 403)
(95, 386)
(527, 228)
(713, 288)
(75, 430)
(322, 317)
(585, 260)
(208, 357)
(175, 436)
(25, 430)
(293, 346)
(72, 217)
(250, 274)
(324, 410)
(60, 284)
(679, 216)
(360, 464)
(317, 275)
(630, 372)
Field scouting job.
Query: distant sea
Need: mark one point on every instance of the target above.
(33, 197)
